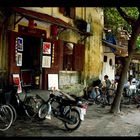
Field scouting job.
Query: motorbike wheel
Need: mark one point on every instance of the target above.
(74, 116)
(43, 111)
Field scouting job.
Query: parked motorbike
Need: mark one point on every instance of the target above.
(64, 107)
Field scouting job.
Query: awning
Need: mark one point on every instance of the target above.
(120, 50)
(136, 56)
(47, 18)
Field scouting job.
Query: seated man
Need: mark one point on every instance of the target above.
(95, 89)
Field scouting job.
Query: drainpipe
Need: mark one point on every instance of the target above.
(84, 13)
(52, 11)
(84, 74)
(83, 8)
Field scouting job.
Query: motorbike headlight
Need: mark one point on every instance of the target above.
(79, 102)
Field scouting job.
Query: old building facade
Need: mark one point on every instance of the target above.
(63, 44)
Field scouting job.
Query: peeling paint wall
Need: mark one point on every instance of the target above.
(94, 50)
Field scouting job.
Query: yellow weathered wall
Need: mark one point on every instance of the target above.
(94, 51)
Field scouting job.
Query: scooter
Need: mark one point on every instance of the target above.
(64, 107)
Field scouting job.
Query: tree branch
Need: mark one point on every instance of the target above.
(139, 13)
(127, 18)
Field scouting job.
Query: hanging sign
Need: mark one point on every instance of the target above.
(19, 44)
(16, 81)
(19, 59)
(46, 61)
(46, 48)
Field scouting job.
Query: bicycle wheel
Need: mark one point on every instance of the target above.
(30, 107)
(6, 117)
(102, 100)
(98, 99)
(14, 112)
(126, 100)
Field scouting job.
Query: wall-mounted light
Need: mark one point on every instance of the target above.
(70, 46)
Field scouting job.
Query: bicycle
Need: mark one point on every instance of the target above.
(4, 100)
(104, 96)
(130, 97)
(6, 117)
(25, 106)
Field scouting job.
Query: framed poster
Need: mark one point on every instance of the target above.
(19, 59)
(46, 61)
(46, 48)
(19, 43)
(52, 81)
(16, 81)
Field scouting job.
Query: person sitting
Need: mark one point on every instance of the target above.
(95, 89)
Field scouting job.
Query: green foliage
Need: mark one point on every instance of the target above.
(113, 19)
(138, 43)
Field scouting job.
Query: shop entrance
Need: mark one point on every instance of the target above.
(30, 69)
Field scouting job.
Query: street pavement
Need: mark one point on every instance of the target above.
(98, 122)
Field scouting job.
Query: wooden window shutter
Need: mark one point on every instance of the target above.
(58, 54)
(62, 10)
(72, 12)
(79, 57)
(13, 68)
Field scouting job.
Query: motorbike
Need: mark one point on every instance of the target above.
(64, 107)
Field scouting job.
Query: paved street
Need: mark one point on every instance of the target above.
(98, 122)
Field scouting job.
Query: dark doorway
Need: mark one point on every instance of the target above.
(30, 61)
(31, 52)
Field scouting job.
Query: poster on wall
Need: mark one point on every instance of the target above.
(52, 81)
(46, 48)
(19, 43)
(19, 59)
(46, 61)
(16, 81)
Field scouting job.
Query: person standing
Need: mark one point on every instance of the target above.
(107, 86)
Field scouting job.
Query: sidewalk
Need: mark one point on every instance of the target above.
(42, 93)
(98, 122)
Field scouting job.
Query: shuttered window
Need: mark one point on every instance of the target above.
(78, 57)
(73, 59)
(68, 11)
(68, 58)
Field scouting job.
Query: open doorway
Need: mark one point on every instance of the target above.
(30, 69)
